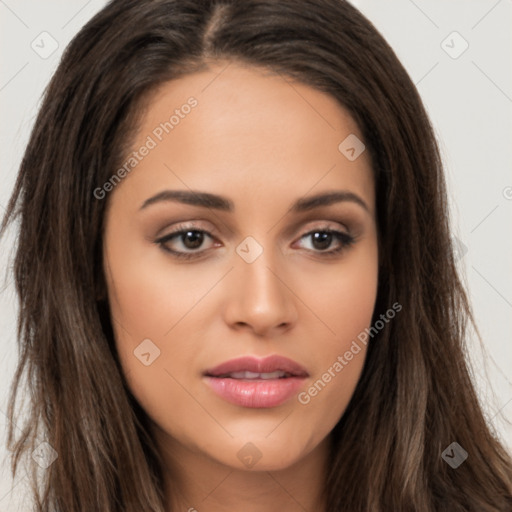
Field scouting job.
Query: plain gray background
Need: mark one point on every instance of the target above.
(467, 92)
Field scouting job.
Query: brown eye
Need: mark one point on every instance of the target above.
(322, 239)
(184, 243)
(192, 239)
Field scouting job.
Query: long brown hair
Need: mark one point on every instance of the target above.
(415, 396)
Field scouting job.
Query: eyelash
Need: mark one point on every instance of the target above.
(345, 240)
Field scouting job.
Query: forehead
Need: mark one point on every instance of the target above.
(239, 129)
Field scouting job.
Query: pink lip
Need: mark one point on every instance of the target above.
(256, 393)
(253, 364)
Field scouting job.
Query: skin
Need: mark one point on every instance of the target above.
(262, 141)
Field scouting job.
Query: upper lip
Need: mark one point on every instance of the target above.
(258, 365)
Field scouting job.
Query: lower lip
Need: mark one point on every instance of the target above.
(256, 393)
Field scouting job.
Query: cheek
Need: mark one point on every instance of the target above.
(146, 296)
(148, 314)
(146, 302)
(343, 298)
(345, 303)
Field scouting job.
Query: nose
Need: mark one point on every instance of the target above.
(260, 298)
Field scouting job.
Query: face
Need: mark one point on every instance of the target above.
(240, 256)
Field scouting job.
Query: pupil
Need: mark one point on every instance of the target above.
(195, 237)
(323, 238)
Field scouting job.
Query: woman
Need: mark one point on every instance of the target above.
(235, 273)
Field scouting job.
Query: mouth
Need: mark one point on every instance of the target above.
(247, 375)
(256, 383)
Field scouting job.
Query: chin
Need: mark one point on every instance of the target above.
(262, 454)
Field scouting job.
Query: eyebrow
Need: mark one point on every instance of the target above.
(217, 202)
